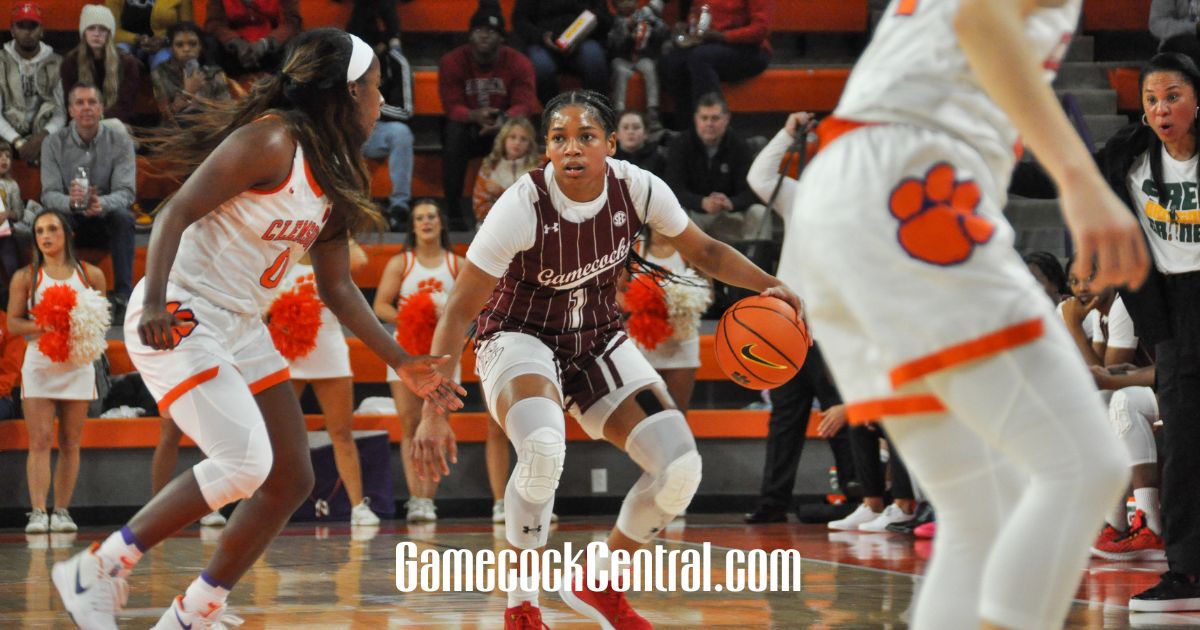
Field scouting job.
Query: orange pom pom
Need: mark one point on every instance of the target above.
(649, 321)
(416, 319)
(294, 319)
(53, 314)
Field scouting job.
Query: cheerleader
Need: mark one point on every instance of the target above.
(428, 265)
(50, 388)
(677, 358)
(327, 369)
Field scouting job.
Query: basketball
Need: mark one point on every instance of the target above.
(759, 342)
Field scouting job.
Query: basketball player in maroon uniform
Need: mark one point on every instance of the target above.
(550, 338)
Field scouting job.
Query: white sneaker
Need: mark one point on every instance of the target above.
(498, 511)
(217, 618)
(212, 519)
(361, 514)
(39, 522)
(61, 523)
(421, 510)
(91, 592)
(862, 515)
(891, 514)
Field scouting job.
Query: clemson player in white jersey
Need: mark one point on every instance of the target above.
(974, 376)
(267, 177)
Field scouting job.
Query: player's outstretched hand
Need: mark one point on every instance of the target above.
(1105, 232)
(157, 328)
(420, 374)
(434, 446)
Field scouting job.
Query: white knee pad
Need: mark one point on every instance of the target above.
(223, 419)
(539, 464)
(1131, 412)
(663, 446)
(535, 427)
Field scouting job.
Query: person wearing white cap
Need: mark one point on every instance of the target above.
(265, 181)
(97, 61)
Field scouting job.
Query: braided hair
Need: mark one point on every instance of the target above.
(601, 108)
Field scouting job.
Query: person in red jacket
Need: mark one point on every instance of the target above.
(482, 83)
(735, 47)
(252, 33)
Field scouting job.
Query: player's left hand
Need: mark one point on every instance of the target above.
(420, 374)
(782, 292)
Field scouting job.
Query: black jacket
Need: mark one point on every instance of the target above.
(532, 19)
(1148, 306)
(693, 176)
(649, 157)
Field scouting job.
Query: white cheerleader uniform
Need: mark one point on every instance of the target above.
(910, 269)
(418, 277)
(229, 266)
(331, 356)
(672, 354)
(42, 377)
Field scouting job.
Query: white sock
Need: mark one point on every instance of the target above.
(1118, 517)
(518, 595)
(204, 593)
(120, 549)
(1147, 502)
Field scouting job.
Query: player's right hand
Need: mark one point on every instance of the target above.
(420, 374)
(433, 444)
(157, 328)
(1106, 232)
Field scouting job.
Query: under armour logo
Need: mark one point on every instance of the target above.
(553, 227)
(531, 530)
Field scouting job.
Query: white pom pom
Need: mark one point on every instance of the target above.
(686, 301)
(89, 322)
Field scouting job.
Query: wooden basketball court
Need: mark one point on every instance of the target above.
(335, 578)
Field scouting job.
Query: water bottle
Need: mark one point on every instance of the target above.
(704, 22)
(81, 178)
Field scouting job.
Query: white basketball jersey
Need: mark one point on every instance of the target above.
(237, 255)
(418, 277)
(914, 72)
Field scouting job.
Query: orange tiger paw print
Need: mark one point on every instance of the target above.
(184, 315)
(938, 220)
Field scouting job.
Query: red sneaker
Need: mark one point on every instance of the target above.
(1140, 543)
(1108, 535)
(609, 608)
(926, 531)
(524, 617)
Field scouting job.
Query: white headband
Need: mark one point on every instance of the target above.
(360, 59)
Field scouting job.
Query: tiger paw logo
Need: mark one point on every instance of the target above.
(184, 315)
(938, 220)
(431, 285)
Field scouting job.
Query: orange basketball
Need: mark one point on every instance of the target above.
(759, 342)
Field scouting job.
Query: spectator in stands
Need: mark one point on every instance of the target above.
(393, 140)
(1175, 23)
(51, 389)
(181, 79)
(31, 89)
(376, 22)
(634, 43)
(99, 210)
(10, 220)
(540, 23)
(1109, 339)
(707, 167)
(734, 48)
(1049, 273)
(514, 153)
(634, 146)
(96, 61)
(252, 33)
(142, 27)
(482, 83)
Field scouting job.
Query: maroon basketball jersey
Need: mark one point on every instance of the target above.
(563, 290)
